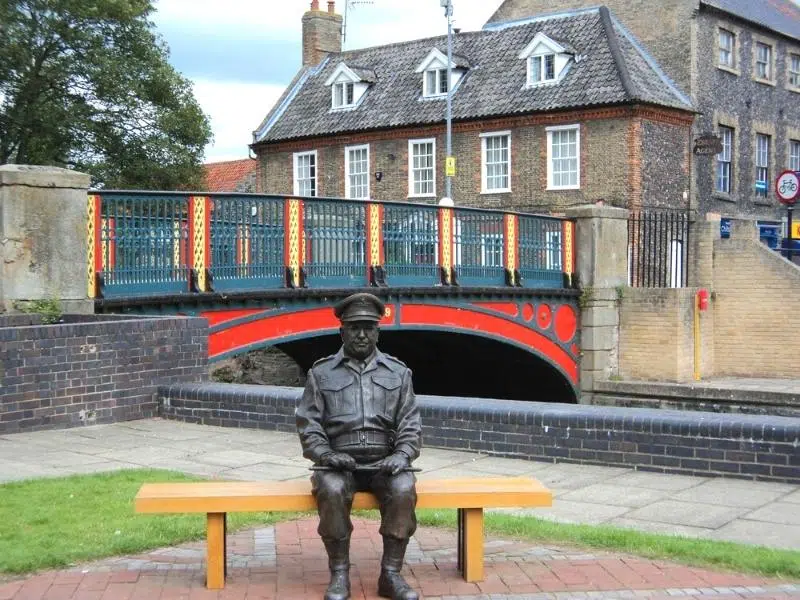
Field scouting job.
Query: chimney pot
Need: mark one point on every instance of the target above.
(314, 4)
(331, 6)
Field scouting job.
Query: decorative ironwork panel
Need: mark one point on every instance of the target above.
(335, 233)
(478, 247)
(143, 243)
(247, 242)
(540, 251)
(411, 244)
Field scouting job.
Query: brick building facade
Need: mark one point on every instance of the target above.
(740, 62)
(602, 121)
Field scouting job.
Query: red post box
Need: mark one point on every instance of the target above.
(702, 299)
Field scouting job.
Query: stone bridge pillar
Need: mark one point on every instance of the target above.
(601, 239)
(43, 237)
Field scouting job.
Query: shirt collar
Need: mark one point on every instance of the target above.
(377, 357)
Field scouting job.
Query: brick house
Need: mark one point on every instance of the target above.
(740, 62)
(547, 113)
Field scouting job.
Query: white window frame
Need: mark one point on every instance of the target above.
(439, 74)
(542, 60)
(725, 158)
(762, 159)
(550, 131)
(343, 85)
(768, 69)
(676, 263)
(490, 251)
(412, 169)
(348, 175)
(730, 50)
(793, 71)
(794, 155)
(296, 173)
(484, 164)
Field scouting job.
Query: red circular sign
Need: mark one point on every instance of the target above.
(787, 187)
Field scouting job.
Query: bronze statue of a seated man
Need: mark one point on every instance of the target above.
(358, 420)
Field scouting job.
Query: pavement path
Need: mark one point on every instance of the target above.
(287, 561)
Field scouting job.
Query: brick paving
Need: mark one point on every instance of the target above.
(288, 562)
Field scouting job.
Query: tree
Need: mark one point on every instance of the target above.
(87, 84)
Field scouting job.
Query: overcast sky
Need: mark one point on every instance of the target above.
(241, 54)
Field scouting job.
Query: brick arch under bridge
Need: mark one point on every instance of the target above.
(533, 341)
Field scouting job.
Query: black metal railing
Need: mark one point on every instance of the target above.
(658, 248)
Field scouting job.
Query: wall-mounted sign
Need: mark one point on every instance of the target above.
(450, 166)
(708, 143)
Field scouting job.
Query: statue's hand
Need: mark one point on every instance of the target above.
(394, 463)
(339, 461)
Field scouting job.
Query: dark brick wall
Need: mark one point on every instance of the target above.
(665, 165)
(94, 368)
(728, 445)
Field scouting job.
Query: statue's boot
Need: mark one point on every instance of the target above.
(339, 565)
(391, 584)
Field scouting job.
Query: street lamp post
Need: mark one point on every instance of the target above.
(448, 185)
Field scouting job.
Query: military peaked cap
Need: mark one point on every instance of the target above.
(359, 307)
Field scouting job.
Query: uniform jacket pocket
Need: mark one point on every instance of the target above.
(339, 396)
(386, 393)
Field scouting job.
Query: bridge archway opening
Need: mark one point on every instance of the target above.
(457, 364)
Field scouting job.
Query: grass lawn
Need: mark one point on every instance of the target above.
(51, 523)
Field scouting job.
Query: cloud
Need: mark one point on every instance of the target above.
(235, 109)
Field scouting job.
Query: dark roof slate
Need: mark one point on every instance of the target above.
(493, 86)
(782, 16)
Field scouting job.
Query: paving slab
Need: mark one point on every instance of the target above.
(615, 495)
(727, 493)
(773, 535)
(686, 513)
(565, 511)
(785, 513)
(656, 481)
(661, 528)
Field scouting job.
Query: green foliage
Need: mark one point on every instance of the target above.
(52, 523)
(692, 551)
(587, 295)
(49, 309)
(87, 84)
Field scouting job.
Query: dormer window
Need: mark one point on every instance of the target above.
(434, 73)
(541, 68)
(342, 95)
(435, 82)
(547, 60)
(348, 85)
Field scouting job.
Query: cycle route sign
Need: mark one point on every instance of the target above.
(787, 187)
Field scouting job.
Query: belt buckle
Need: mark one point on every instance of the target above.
(363, 437)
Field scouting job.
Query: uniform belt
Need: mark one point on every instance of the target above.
(362, 438)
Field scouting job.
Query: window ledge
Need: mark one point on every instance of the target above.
(796, 90)
(727, 69)
(550, 188)
(411, 196)
(490, 192)
(763, 203)
(537, 84)
(343, 108)
(769, 82)
(723, 197)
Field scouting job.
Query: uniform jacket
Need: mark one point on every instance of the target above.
(338, 399)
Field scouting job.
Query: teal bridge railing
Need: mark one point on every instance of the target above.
(164, 243)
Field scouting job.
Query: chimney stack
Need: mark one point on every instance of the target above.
(322, 33)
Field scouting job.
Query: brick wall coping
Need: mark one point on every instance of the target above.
(28, 326)
(672, 441)
(687, 392)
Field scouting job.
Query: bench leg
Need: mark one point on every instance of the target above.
(470, 543)
(215, 551)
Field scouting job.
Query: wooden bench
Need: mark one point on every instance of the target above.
(216, 499)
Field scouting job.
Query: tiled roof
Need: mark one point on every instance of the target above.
(782, 16)
(229, 176)
(610, 67)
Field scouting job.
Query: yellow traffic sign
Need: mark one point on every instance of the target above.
(796, 231)
(450, 166)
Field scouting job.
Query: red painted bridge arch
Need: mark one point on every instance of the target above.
(546, 328)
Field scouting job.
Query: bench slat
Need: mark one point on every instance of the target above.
(241, 496)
